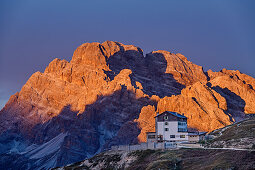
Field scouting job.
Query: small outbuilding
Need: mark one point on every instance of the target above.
(195, 137)
(151, 137)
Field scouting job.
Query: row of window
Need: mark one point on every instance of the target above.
(179, 129)
(173, 136)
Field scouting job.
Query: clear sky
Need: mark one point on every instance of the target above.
(213, 33)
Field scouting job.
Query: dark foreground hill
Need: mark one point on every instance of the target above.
(196, 159)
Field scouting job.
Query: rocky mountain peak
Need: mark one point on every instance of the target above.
(109, 93)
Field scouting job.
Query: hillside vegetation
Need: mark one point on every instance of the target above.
(238, 135)
(169, 159)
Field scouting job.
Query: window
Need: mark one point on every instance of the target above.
(151, 136)
(165, 117)
(172, 136)
(181, 123)
(166, 123)
(166, 129)
(182, 136)
(182, 130)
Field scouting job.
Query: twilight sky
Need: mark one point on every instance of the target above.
(215, 34)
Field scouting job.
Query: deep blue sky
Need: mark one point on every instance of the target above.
(215, 34)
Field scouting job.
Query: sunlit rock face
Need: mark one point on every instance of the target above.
(108, 94)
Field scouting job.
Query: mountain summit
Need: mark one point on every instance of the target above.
(108, 94)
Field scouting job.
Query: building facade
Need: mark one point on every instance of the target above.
(171, 126)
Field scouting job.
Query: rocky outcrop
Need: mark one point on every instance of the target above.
(183, 71)
(146, 122)
(109, 93)
(237, 88)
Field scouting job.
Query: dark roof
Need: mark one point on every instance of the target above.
(193, 134)
(175, 114)
(202, 133)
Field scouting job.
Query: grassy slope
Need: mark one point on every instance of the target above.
(242, 133)
(198, 159)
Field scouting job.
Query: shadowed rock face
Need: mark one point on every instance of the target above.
(108, 94)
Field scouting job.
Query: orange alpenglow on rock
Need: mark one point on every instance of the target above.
(114, 87)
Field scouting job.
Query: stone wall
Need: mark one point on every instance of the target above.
(144, 146)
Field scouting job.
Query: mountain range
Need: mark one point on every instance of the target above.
(109, 94)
